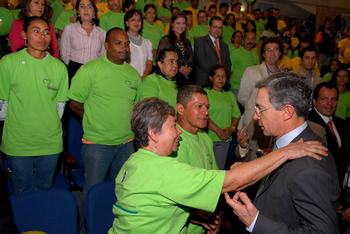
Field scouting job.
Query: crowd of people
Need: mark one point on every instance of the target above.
(163, 78)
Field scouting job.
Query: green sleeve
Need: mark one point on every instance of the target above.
(236, 111)
(59, 22)
(103, 22)
(80, 85)
(5, 76)
(150, 87)
(63, 89)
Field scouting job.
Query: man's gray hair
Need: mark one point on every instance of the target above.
(287, 88)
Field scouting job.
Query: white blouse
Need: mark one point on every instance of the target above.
(139, 55)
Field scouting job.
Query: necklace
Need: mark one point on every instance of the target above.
(137, 40)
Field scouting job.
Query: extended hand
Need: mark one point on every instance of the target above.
(242, 138)
(301, 149)
(185, 70)
(345, 215)
(242, 207)
(209, 221)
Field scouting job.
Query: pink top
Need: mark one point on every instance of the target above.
(17, 41)
(77, 46)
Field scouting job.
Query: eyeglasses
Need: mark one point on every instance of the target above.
(274, 50)
(258, 111)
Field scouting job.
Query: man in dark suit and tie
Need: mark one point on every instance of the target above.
(301, 196)
(325, 99)
(210, 50)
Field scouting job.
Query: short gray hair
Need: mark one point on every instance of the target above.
(287, 88)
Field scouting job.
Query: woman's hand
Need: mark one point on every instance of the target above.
(242, 138)
(301, 149)
(185, 70)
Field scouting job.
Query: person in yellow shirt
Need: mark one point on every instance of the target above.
(102, 8)
(240, 17)
(222, 10)
(342, 46)
(281, 25)
(194, 9)
(250, 12)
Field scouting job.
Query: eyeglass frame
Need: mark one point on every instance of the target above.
(258, 111)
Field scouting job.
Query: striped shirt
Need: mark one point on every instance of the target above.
(77, 46)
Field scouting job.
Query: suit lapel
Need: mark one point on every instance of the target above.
(211, 45)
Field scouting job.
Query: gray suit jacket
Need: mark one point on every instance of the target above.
(259, 141)
(301, 197)
(205, 56)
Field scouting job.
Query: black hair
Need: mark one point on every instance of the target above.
(328, 85)
(214, 18)
(234, 20)
(29, 20)
(212, 6)
(110, 31)
(246, 26)
(201, 12)
(224, 4)
(126, 4)
(129, 14)
(95, 20)
(234, 34)
(269, 40)
(307, 49)
(256, 10)
(171, 5)
(212, 70)
(184, 96)
(272, 24)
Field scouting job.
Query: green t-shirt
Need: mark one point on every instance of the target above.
(153, 33)
(155, 192)
(141, 5)
(296, 53)
(232, 48)
(190, 37)
(63, 19)
(223, 106)
(33, 87)
(226, 35)
(109, 92)
(259, 27)
(263, 21)
(327, 77)
(196, 150)
(163, 11)
(200, 30)
(111, 20)
(241, 59)
(182, 6)
(289, 54)
(343, 107)
(58, 8)
(157, 86)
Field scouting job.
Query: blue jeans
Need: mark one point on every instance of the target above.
(25, 179)
(98, 158)
(235, 92)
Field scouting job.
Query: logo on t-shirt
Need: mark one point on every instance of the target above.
(124, 176)
(230, 103)
(47, 83)
(128, 83)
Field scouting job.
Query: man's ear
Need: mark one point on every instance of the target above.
(180, 108)
(289, 111)
(106, 45)
(314, 101)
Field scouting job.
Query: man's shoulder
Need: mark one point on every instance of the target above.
(202, 39)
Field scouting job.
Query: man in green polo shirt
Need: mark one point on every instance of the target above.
(102, 93)
(260, 28)
(242, 58)
(113, 18)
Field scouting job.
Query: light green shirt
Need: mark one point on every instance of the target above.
(111, 20)
(33, 87)
(155, 192)
(157, 86)
(232, 48)
(327, 77)
(241, 59)
(343, 107)
(223, 106)
(226, 35)
(164, 12)
(63, 19)
(58, 8)
(153, 33)
(182, 6)
(109, 92)
(200, 30)
(259, 27)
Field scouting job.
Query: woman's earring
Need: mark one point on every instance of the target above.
(155, 148)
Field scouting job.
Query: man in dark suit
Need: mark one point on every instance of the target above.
(325, 99)
(210, 50)
(302, 195)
